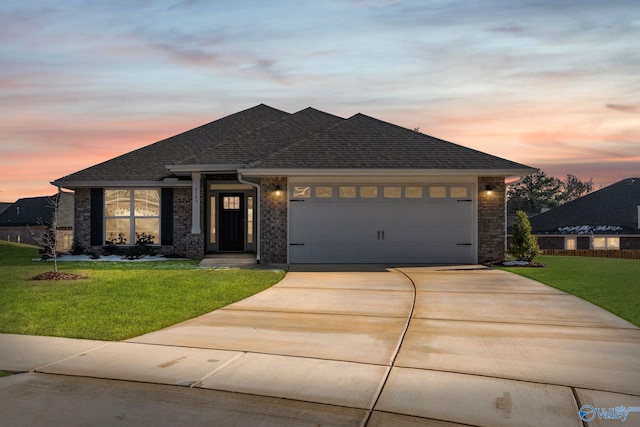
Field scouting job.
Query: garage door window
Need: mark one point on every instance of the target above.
(369, 192)
(413, 192)
(392, 192)
(459, 192)
(302, 192)
(437, 192)
(347, 192)
(324, 192)
(386, 192)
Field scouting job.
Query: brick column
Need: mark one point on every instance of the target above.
(491, 219)
(82, 217)
(273, 221)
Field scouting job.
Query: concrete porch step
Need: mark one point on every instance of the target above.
(236, 260)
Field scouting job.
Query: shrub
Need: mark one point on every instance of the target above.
(77, 248)
(141, 248)
(524, 246)
(114, 244)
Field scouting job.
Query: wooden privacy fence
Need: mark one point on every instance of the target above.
(602, 253)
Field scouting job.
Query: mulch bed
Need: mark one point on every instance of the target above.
(52, 275)
(501, 264)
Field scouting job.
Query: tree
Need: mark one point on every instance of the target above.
(537, 191)
(524, 246)
(533, 192)
(49, 239)
(573, 188)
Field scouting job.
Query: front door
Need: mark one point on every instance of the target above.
(231, 209)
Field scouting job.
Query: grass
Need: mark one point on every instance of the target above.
(118, 300)
(611, 283)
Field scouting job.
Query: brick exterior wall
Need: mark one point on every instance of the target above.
(82, 217)
(557, 242)
(23, 234)
(550, 242)
(630, 242)
(184, 243)
(273, 221)
(491, 219)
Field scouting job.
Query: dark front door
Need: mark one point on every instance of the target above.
(231, 208)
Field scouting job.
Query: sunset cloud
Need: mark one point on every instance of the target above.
(625, 108)
(552, 83)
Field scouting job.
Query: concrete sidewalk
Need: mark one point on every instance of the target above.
(436, 346)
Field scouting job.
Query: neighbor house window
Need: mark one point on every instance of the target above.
(131, 213)
(570, 243)
(610, 243)
(613, 243)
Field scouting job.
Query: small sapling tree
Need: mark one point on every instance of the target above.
(524, 246)
(49, 238)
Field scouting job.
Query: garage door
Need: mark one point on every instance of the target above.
(418, 223)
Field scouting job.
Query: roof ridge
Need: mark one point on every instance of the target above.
(298, 142)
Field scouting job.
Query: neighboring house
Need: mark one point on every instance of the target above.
(26, 220)
(605, 219)
(308, 187)
(4, 206)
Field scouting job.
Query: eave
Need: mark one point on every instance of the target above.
(509, 173)
(70, 185)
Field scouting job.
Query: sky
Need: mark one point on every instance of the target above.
(552, 84)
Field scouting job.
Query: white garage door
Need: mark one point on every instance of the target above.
(360, 223)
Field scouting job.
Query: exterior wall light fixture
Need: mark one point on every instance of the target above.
(277, 190)
(489, 189)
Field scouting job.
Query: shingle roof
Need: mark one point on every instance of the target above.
(149, 163)
(363, 142)
(258, 143)
(27, 211)
(611, 210)
(35, 211)
(4, 206)
(265, 138)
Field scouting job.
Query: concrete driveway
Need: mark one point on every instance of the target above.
(436, 346)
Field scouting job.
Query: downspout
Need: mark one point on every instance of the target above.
(257, 207)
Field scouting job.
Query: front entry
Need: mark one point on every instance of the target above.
(231, 209)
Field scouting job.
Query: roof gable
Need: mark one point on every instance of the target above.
(261, 142)
(149, 163)
(603, 210)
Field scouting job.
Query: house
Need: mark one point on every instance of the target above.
(4, 206)
(605, 219)
(307, 187)
(26, 220)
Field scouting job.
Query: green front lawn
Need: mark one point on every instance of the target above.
(118, 300)
(611, 283)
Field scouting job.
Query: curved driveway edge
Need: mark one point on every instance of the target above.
(399, 346)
